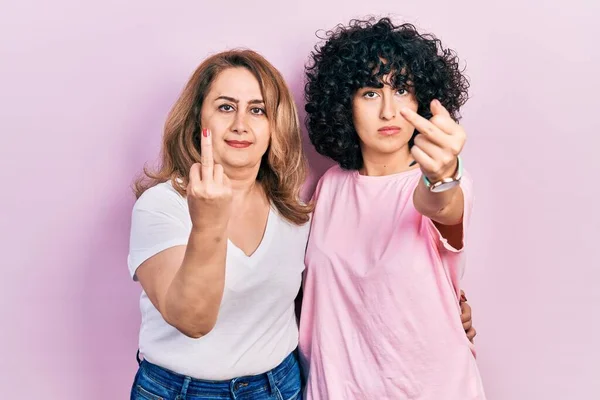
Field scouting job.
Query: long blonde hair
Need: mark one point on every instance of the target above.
(283, 168)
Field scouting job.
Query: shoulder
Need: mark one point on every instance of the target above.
(162, 196)
(287, 232)
(325, 181)
(336, 172)
(330, 180)
(333, 176)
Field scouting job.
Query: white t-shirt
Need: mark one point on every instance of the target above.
(256, 326)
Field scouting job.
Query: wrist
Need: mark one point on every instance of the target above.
(445, 181)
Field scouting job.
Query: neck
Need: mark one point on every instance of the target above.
(378, 164)
(243, 184)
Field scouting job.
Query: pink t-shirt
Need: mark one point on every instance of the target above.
(381, 314)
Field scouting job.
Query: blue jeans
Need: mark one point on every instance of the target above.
(156, 383)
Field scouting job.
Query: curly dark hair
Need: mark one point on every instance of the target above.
(360, 55)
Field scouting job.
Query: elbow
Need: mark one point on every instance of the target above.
(195, 331)
(192, 326)
(193, 319)
(194, 335)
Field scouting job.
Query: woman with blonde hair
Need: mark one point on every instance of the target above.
(218, 237)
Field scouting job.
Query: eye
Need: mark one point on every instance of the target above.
(257, 111)
(370, 95)
(226, 108)
(402, 92)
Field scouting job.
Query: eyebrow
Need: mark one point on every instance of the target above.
(236, 101)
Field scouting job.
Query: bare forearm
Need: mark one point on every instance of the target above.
(445, 208)
(194, 296)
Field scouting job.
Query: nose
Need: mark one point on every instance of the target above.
(388, 108)
(239, 124)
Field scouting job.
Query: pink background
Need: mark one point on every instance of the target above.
(84, 91)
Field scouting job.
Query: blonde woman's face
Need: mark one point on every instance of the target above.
(234, 111)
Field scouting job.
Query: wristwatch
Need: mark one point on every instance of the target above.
(446, 183)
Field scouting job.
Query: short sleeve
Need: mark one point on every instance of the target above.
(160, 220)
(467, 187)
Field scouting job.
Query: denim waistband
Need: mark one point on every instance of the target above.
(240, 385)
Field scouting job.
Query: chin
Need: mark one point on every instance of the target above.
(240, 162)
(390, 142)
(391, 147)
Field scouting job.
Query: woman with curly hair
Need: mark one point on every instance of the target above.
(385, 252)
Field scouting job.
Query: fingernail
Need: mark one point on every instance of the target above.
(412, 163)
(463, 297)
(205, 132)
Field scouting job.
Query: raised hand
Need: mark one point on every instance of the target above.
(209, 190)
(439, 143)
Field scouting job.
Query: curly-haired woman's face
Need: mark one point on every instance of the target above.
(377, 119)
(234, 111)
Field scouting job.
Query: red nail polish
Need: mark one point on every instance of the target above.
(205, 132)
(463, 297)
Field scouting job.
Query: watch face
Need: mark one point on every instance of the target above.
(442, 187)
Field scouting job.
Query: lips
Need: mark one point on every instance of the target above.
(238, 144)
(389, 130)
